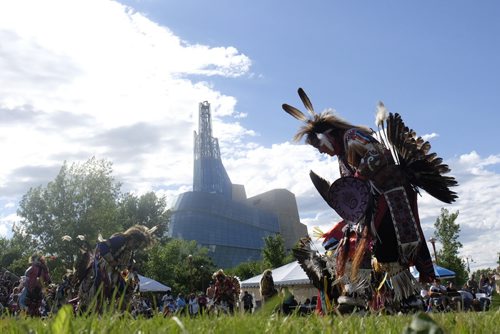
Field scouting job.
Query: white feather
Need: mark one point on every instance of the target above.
(382, 114)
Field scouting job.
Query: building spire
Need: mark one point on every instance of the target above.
(209, 172)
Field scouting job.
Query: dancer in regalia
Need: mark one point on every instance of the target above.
(376, 196)
(37, 278)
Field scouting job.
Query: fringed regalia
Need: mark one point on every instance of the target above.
(109, 268)
(377, 198)
(227, 288)
(37, 276)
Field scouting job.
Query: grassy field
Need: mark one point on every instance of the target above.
(262, 322)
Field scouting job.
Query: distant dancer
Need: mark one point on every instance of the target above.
(247, 300)
(37, 277)
(267, 288)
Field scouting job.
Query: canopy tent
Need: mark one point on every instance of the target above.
(440, 272)
(289, 274)
(150, 285)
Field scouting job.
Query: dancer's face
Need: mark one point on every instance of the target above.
(326, 149)
(325, 143)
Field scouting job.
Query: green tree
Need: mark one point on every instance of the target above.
(273, 253)
(246, 270)
(15, 253)
(447, 233)
(82, 200)
(181, 264)
(148, 210)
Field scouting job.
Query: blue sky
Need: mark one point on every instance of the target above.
(434, 62)
(122, 81)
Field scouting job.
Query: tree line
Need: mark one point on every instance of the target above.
(86, 200)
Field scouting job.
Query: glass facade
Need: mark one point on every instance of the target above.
(233, 232)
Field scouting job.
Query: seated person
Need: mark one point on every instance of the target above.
(467, 299)
(289, 302)
(306, 307)
(451, 287)
(437, 287)
(438, 291)
(424, 292)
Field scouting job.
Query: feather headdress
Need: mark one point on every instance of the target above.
(317, 124)
(423, 169)
(142, 235)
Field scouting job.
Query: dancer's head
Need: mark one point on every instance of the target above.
(323, 131)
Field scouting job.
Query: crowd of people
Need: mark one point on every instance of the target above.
(34, 294)
(195, 304)
(472, 296)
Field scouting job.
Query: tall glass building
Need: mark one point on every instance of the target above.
(218, 215)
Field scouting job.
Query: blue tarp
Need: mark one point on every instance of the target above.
(440, 272)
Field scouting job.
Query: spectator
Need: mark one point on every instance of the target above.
(493, 284)
(180, 304)
(289, 302)
(472, 284)
(437, 293)
(424, 292)
(487, 287)
(13, 302)
(247, 302)
(451, 287)
(22, 295)
(437, 286)
(306, 307)
(166, 298)
(483, 281)
(170, 308)
(194, 307)
(210, 291)
(202, 301)
(467, 298)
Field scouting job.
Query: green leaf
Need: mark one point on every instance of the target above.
(62, 321)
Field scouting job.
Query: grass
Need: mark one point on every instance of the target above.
(262, 322)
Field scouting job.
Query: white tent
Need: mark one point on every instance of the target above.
(289, 274)
(150, 285)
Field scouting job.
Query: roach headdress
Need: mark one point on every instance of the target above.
(317, 124)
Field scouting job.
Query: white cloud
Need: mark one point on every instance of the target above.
(76, 73)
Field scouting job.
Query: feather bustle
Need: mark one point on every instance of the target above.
(424, 170)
